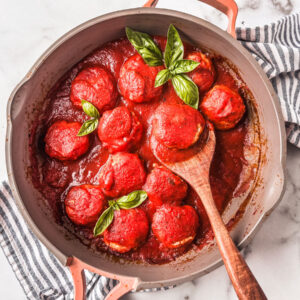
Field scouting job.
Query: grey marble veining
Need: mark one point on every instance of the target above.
(28, 28)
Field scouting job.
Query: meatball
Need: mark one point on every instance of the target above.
(128, 230)
(177, 126)
(84, 204)
(55, 173)
(137, 79)
(122, 173)
(109, 56)
(62, 142)
(163, 186)
(204, 74)
(119, 129)
(95, 85)
(175, 226)
(223, 107)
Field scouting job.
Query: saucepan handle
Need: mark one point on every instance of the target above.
(228, 7)
(77, 268)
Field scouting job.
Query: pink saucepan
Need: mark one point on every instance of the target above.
(263, 195)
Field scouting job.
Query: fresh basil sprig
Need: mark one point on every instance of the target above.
(173, 60)
(145, 46)
(91, 124)
(186, 89)
(183, 66)
(175, 65)
(174, 48)
(104, 221)
(132, 200)
(162, 77)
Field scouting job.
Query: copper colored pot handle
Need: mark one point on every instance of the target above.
(77, 268)
(228, 7)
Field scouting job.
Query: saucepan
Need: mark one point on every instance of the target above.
(24, 103)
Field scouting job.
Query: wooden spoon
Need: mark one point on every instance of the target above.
(195, 171)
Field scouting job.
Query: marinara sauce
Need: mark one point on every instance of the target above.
(53, 178)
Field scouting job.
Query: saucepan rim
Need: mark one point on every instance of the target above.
(130, 12)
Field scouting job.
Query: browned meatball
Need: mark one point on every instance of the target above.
(62, 142)
(128, 230)
(175, 226)
(163, 186)
(84, 204)
(136, 81)
(122, 173)
(223, 107)
(204, 74)
(96, 85)
(119, 129)
(177, 126)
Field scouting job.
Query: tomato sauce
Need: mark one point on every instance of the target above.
(54, 178)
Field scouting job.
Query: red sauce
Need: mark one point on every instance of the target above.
(54, 178)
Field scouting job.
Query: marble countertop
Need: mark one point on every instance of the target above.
(28, 28)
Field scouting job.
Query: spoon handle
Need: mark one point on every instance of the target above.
(243, 281)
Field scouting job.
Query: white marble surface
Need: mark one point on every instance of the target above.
(27, 28)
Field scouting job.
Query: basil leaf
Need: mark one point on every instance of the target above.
(90, 109)
(104, 221)
(132, 200)
(186, 89)
(174, 48)
(88, 127)
(162, 77)
(114, 204)
(145, 46)
(184, 66)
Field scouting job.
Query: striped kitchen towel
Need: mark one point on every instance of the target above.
(40, 274)
(277, 49)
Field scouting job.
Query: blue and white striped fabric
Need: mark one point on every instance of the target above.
(276, 47)
(40, 274)
(38, 271)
